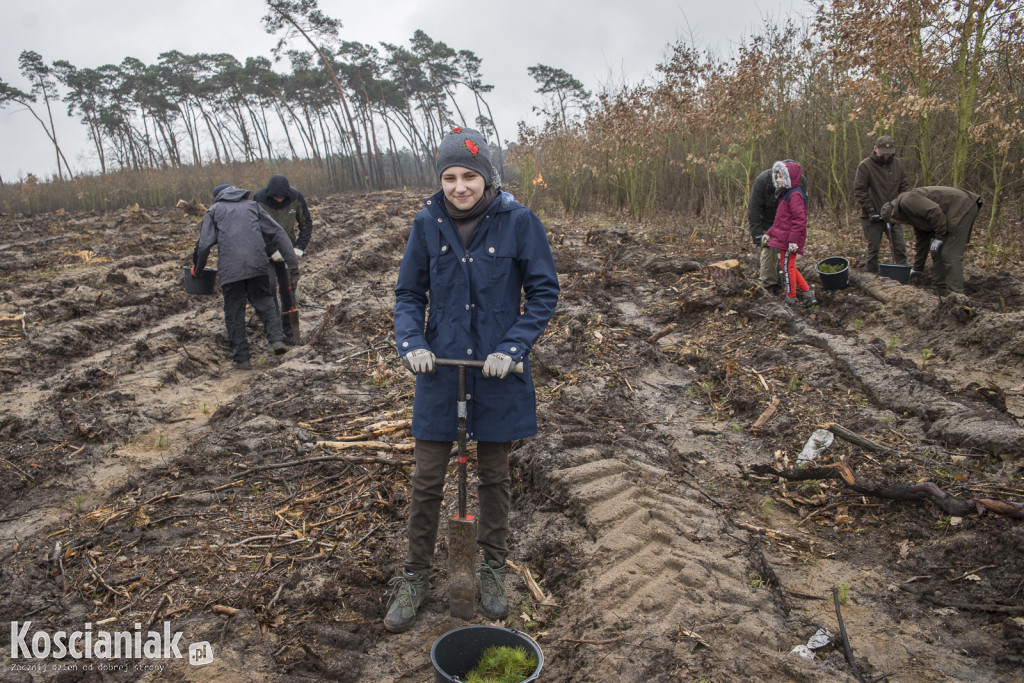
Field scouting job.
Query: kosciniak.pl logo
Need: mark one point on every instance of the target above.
(90, 644)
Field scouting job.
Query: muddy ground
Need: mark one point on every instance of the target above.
(144, 481)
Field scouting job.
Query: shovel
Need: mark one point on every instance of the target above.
(462, 527)
(288, 307)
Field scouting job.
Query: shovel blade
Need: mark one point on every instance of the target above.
(293, 318)
(462, 567)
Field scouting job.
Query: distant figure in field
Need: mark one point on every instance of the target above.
(287, 206)
(942, 218)
(879, 179)
(245, 235)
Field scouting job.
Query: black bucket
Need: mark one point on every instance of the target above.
(457, 652)
(898, 272)
(201, 283)
(834, 280)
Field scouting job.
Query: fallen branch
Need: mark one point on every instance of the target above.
(326, 458)
(668, 329)
(531, 585)
(919, 492)
(847, 650)
(581, 641)
(378, 445)
(777, 535)
(858, 440)
(768, 414)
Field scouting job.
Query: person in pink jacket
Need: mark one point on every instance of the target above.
(789, 231)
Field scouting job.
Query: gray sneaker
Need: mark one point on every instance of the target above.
(808, 298)
(493, 600)
(411, 592)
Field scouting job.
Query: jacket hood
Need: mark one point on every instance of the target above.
(278, 186)
(786, 175)
(232, 194)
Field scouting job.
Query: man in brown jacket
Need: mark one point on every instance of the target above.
(879, 179)
(942, 218)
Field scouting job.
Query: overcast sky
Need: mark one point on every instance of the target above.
(600, 42)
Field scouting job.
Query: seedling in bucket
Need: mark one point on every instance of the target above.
(459, 653)
(502, 664)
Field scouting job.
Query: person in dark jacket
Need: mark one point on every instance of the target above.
(245, 235)
(788, 233)
(474, 253)
(879, 179)
(943, 218)
(764, 198)
(287, 206)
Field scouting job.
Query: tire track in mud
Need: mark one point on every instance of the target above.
(898, 390)
(663, 569)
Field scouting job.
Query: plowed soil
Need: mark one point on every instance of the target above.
(143, 480)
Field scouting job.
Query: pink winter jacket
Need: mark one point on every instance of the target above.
(791, 217)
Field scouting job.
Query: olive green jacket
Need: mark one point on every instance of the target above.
(934, 209)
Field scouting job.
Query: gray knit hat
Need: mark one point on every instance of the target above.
(468, 148)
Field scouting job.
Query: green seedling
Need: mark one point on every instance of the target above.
(206, 408)
(503, 665)
(811, 487)
(755, 580)
(161, 442)
(79, 499)
(893, 341)
(858, 324)
(843, 594)
(766, 508)
(794, 383)
(926, 355)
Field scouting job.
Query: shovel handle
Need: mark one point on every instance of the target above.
(478, 364)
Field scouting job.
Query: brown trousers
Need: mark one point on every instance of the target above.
(494, 493)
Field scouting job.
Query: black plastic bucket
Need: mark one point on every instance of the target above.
(837, 280)
(201, 283)
(457, 652)
(895, 271)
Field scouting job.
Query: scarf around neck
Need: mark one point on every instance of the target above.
(466, 219)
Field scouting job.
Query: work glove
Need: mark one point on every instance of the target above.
(276, 256)
(419, 360)
(299, 252)
(497, 365)
(764, 240)
(793, 246)
(875, 217)
(936, 245)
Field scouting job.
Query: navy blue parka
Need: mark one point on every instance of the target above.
(475, 297)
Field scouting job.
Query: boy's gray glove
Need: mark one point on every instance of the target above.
(276, 256)
(793, 246)
(497, 365)
(936, 245)
(764, 240)
(419, 360)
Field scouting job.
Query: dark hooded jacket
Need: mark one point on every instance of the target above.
(761, 205)
(878, 181)
(246, 235)
(475, 295)
(790, 224)
(292, 213)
